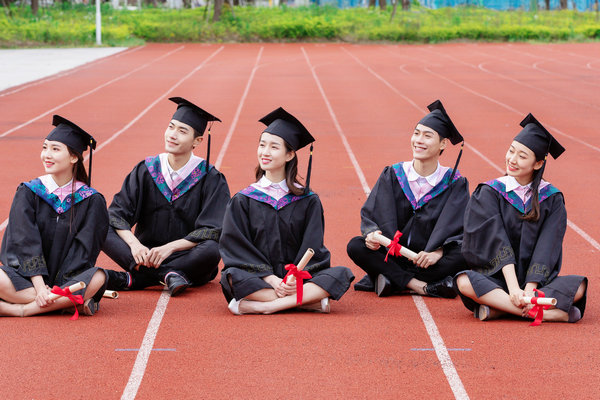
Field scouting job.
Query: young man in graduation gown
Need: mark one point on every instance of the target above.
(176, 201)
(425, 202)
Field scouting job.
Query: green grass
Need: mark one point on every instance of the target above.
(67, 25)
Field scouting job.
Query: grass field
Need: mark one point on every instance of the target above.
(68, 25)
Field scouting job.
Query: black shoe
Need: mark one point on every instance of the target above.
(443, 288)
(117, 280)
(365, 284)
(176, 283)
(383, 286)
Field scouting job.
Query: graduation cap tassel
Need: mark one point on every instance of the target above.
(208, 149)
(308, 171)
(89, 182)
(457, 161)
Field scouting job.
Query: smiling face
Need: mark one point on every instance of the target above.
(56, 158)
(179, 138)
(273, 154)
(426, 143)
(521, 163)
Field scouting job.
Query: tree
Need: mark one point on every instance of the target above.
(34, 7)
(382, 4)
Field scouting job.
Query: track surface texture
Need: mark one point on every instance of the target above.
(361, 103)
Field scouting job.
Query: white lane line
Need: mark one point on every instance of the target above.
(141, 361)
(137, 374)
(359, 172)
(238, 111)
(71, 71)
(440, 350)
(438, 343)
(8, 132)
(570, 223)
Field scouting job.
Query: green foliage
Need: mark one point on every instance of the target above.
(74, 25)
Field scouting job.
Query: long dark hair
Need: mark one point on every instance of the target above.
(291, 173)
(79, 174)
(534, 214)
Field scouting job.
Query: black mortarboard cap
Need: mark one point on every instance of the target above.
(283, 124)
(191, 114)
(538, 139)
(197, 118)
(439, 121)
(73, 136)
(70, 134)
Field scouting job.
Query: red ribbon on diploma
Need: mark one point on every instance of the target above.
(394, 247)
(75, 299)
(300, 276)
(537, 311)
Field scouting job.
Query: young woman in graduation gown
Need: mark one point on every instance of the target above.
(57, 225)
(425, 202)
(514, 229)
(176, 201)
(271, 224)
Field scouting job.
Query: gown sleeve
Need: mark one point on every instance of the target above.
(89, 238)
(448, 228)
(124, 211)
(547, 255)
(22, 242)
(379, 211)
(486, 246)
(235, 245)
(215, 196)
(313, 237)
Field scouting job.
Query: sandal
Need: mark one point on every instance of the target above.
(322, 306)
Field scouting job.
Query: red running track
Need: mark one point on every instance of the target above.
(361, 103)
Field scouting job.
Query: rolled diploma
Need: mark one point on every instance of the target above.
(73, 288)
(542, 301)
(303, 261)
(111, 294)
(411, 255)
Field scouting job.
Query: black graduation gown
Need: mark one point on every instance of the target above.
(434, 221)
(262, 235)
(496, 235)
(58, 240)
(193, 211)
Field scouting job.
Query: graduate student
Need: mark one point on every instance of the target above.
(56, 228)
(425, 202)
(514, 229)
(271, 224)
(176, 201)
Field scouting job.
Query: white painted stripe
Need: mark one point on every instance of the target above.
(8, 132)
(440, 348)
(139, 368)
(238, 111)
(161, 97)
(361, 176)
(71, 71)
(3, 225)
(570, 223)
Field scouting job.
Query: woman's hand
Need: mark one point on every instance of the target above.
(371, 243)
(516, 297)
(425, 259)
(286, 289)
(42, 297)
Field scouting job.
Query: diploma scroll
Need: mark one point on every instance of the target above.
(111, 294)
(73, 288)
(542, 301)
(411, 255)
(303, 261)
